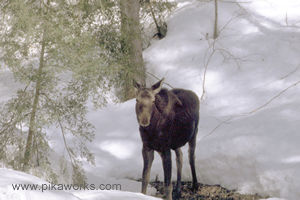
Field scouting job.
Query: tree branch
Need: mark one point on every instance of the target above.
(65, 142)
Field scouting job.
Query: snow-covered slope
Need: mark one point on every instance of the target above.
(248, 132)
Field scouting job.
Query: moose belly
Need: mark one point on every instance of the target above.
(181, 134)
(158, 141)
(173, 138)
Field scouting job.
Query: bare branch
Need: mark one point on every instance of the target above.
(206, 63)
(228, 22)
(65, 142)
(204, 74)
(272, 99)
(160, 79)
(220, 124)
(290, 73)
(237, 60)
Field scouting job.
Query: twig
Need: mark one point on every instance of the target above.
(206, 63)
(212, 46)
(204, 74)
(287, 75)
(228, 22)
(220, 124)
(272, 99)
(159, 79)
(230, 56)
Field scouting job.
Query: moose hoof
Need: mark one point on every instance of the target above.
(168, 192)
(195, 187)
(177, 194)
(167, 197)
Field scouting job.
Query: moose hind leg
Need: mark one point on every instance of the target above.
(192, 146)
(167, 166)
(179, 170)
(148, 156)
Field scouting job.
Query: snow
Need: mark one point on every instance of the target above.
(281, 12)
(8, 87)
(252, 151)
(9, 177)
(248, 135)
(113, 195)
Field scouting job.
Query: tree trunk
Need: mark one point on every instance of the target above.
(131, 45)
(216, 20)
(32, 127)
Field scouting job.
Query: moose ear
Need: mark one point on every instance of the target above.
(136, 85)
(157, 86)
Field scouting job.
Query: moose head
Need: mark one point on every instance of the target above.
(145, 102)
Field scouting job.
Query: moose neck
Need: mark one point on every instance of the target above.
(160, 112)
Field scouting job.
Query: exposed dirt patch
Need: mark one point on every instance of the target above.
(205, 192)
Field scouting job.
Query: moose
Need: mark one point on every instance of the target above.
(168, 119)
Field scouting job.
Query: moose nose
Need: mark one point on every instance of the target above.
(144, 122)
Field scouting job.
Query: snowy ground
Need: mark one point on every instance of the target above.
(249, 128)
(10, 177)
(255, 145)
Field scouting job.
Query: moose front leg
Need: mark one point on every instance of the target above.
(179, 170)
(167, 165)
(148, 156)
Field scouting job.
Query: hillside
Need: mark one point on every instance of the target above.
(248, 82)
(248, 138)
